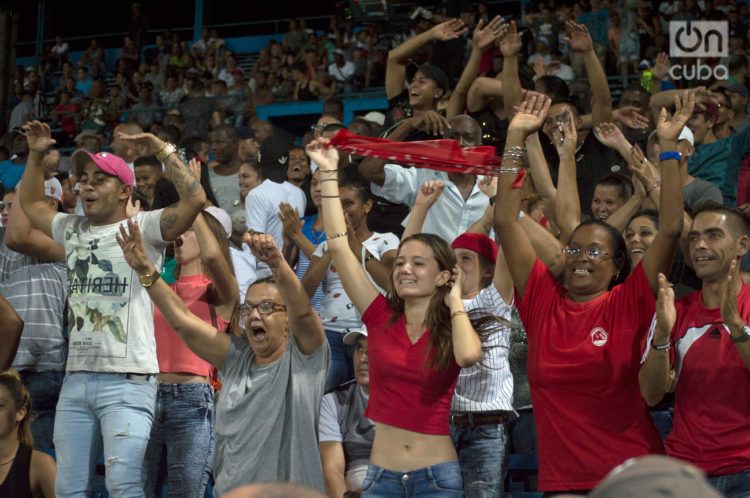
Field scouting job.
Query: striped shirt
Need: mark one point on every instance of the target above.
(488, 385)
(37, 291)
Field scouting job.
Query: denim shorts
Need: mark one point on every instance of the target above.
(437, 481)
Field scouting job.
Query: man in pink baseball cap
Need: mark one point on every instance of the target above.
(110, 384)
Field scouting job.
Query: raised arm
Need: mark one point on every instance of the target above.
(224, 282)
(540, 174)
(482, 91)
(601, 98)
(610, 135)
(358, 287)
(178, 218)
(21, 237)
(653, 377)
(510, 46)
(395, 70)
(33, 203)
(546, 246)
(483, 38)
(568, 203)
(202, 338)
(467, 346)
(518, 250)
(658, 257)
(316, 272)
(428, 194)
(304, 323)
(12, 328)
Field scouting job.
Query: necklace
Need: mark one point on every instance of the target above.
(6, 463)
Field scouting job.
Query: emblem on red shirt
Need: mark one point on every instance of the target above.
(598, 336)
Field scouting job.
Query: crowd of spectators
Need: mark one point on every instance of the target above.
(548, 257)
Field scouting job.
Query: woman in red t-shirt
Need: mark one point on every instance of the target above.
(419, 335)
(184, 418)
(586, 330)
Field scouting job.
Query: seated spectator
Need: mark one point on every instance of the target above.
(146, 111)
(65, 113)
(154, 76)
(83, 80)
(25, 471)
(305, 88)
(342, 71)
(171, 94)
(196, 109)
(345, 432)
(60, 51)
(23, 111)
(280, 345)
(89, 140)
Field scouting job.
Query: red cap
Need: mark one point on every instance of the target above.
(105, 161)
(477, 242)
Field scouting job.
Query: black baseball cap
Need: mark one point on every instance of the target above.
(432, 71)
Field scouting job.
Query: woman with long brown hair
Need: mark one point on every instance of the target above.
(24, 472)
(419, 337)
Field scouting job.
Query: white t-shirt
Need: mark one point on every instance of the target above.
(111, 323)
(262, 211)
(337, 312)
(342, 73)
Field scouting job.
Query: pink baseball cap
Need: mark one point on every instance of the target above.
(105, 161)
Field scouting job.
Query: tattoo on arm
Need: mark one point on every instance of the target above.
(168, 219)
(183, 179)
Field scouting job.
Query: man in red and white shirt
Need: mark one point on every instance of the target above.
(705, 337)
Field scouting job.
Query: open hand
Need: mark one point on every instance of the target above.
(661, 66)
(579, 39)
(39, 136)
(669, 128)
(630, 117)
(290, 220)
(448, 30)
(610, 135)
(148, 143)
(666, 315)
(510, 41)
(132, 246)
(730, 289)
(530, 114)
(485, 36)
(647, 174)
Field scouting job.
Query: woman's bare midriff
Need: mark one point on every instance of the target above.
(181, 378)
(403, 451)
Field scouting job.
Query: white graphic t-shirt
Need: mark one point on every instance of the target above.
(337, 312)
(110, 315)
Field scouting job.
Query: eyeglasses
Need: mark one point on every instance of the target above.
(264, 308)
(593, 253)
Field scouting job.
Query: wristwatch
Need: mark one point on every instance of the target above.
(148, 279)
(167, 151)
(745, 331)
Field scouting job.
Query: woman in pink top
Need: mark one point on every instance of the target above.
(184, 418)
(419, 336)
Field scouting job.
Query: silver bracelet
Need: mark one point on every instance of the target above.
(515, 171)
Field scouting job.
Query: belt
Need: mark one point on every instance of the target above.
(470, 419)
(141, 377)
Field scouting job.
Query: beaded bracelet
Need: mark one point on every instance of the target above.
(457, 313)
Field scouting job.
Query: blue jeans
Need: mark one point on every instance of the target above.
(102, 410)
(436, 481)
(341, 368)
(663, 421)
(481, 452)
(183, 431)
(44, 388)
(732, 485)
(523, 439)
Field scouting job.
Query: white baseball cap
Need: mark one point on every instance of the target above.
(52, 188)
(687, 135)
(351, 337)
(222, 217)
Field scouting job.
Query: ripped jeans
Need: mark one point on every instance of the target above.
(102, 411)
